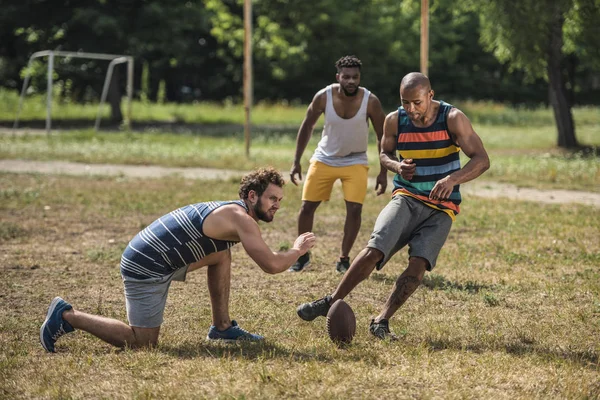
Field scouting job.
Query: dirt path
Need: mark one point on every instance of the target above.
(487, 189)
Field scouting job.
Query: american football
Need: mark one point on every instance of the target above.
(341, 323)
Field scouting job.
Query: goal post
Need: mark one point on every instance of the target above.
(114, 60)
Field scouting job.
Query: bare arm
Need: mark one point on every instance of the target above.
(231, 222)
(406, 168)
(314, 111)
(377, 117)
(469, 141)
(270, 261)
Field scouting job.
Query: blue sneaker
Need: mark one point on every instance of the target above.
(232, 334)
(55, 326)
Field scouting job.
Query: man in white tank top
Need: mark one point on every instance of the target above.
(340, 154)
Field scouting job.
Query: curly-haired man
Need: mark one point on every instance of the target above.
(197, 235)
(341, 153)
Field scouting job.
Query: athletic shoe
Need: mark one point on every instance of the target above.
(342, 265)
(381, 330)
(55, 326)
(301, 263)
(310, 311)
(232, 334)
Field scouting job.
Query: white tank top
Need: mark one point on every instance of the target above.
(343, 141)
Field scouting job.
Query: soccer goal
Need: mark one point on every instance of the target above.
(114, 60)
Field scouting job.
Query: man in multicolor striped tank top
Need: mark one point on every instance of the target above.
(421, 144)
(191, 237)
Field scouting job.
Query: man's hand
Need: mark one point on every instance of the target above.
(407, 168)
(381, 182)
(442, 189)
(305, 242)
(296, 169)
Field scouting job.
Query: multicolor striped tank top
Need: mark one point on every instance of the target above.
(173, 241)
(435, 155)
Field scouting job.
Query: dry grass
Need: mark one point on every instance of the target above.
(511, 311)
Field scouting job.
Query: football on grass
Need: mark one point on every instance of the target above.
(341, 322)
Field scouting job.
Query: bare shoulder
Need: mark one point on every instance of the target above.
(459, 126)
(456, 115)
(227, 216)
(320, 93)
(235, 211)
(320, 98)
(222, 223)
(391, 117)
(374, 100)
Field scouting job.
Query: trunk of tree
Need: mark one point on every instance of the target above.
(114, 96)
(558, 90)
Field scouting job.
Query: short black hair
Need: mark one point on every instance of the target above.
(414, 80)
(348, 62)
(259, 181)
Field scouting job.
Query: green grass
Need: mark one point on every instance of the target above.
(34, 108)
(512, 309)
(521, 142)
(263, 113)
(522, 156)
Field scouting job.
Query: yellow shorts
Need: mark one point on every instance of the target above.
(321, 177)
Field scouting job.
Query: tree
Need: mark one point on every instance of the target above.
(542, 37)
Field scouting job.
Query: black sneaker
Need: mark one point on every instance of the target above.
(310, 311)
(301, 263)
(343, 265)
(381, 330)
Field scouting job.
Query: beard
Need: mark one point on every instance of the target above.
(350, 94)
(260, 214)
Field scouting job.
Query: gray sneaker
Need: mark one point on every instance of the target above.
(310, 311)
(232, 334)
(301, 263)
(381, 330)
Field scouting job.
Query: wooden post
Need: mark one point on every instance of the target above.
(424, 36)
(247, 71)
(49, 93)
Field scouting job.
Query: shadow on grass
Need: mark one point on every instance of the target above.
(438, 282)
(248, 350)
(585, 152)
(588, 358)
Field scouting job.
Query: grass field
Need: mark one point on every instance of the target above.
(511, 311)
(524, 164)
(521, 142)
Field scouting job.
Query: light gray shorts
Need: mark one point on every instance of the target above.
(145, 299)
(406, 220)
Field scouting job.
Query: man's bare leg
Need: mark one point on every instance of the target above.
(111, 330)
(306, 216)
(351, 227)
(404, 287)
(219, 284)
(359, 270)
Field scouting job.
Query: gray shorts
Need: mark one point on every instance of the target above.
(406, 220)
(145, 299)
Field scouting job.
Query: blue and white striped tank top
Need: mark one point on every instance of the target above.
(173, 241)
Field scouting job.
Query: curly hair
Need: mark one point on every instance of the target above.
(259, 180)
(348, 62)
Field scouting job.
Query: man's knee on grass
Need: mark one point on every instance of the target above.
(143, 338)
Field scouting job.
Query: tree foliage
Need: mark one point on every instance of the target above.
(196, 46)
(549, 39)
